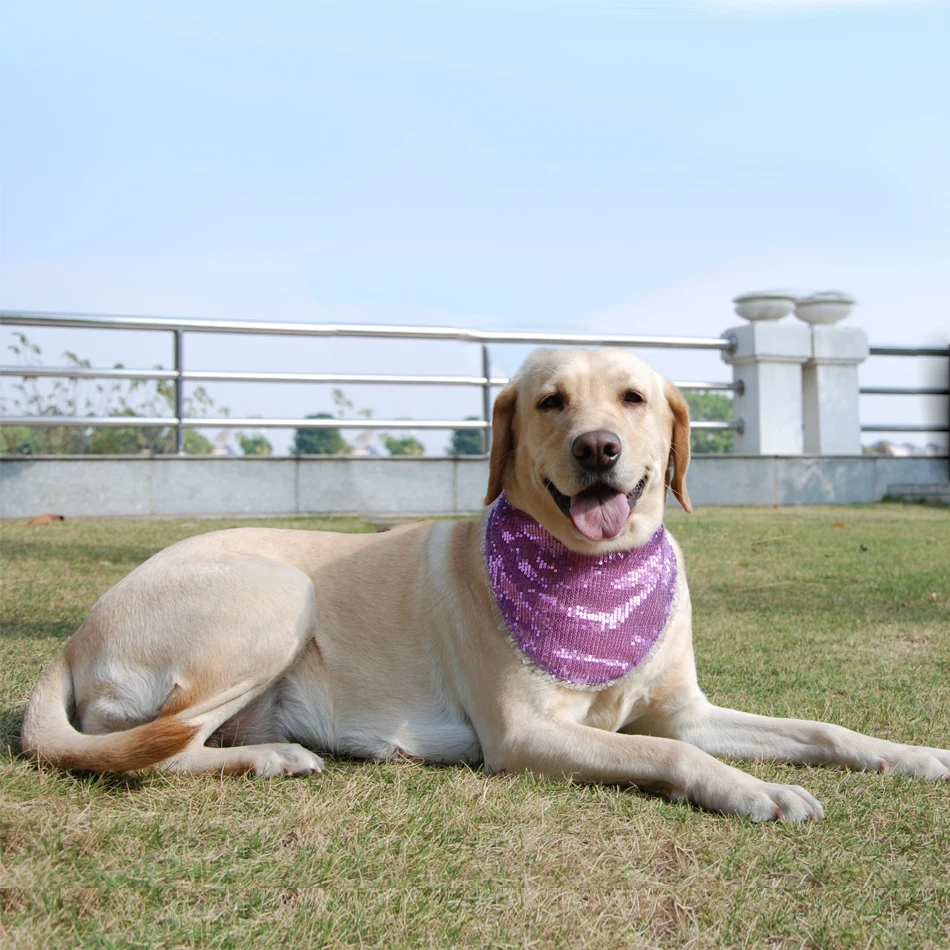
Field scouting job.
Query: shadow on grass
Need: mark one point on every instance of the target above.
(110, 783)
(11, 720)
(11, 750)
(16, 628)
(79, 551)
(924, 501)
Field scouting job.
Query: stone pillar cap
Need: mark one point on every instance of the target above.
(764, 304)
(825, 307)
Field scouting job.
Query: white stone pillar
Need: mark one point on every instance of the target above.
(830, 389)
(767, 361)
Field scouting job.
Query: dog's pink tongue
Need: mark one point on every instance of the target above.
(599, 515)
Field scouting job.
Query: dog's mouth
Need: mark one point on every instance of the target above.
(599, 511)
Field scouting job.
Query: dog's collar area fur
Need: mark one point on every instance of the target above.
(584, 620)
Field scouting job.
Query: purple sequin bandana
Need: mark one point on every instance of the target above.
(584, 620)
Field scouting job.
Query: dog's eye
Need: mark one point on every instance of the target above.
(631, 398)
(551, 402)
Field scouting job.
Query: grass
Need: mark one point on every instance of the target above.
(830, 613)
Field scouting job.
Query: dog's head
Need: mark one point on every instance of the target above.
(587, 443)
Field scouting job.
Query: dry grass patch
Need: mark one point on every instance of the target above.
(793, 616)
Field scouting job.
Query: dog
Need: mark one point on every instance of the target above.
(553, 636)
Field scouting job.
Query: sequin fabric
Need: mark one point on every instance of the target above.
(586, 621)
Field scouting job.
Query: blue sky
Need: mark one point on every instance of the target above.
(550, 165)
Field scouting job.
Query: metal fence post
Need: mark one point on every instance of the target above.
(486, 399)
(179, 395)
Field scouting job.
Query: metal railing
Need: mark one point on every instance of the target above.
(179, 375)
(937, 351)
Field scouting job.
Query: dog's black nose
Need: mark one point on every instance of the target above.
(597, 451)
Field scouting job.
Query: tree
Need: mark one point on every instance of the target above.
(85, 397)
(19, 440)
(466, 441)
(60, 397)
(195, 443)
(710, 407)
(124, 441)
(319, 441)
(256, 445)
(408, 446)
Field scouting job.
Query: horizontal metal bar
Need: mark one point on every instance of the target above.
(277, 328)
(130, 422)
(696, 386)
(905, 427)
(70, 372)
(709, 387)
(903, 391)
(102, 322)
(75, 372)
(690, 385)
(897, 350)
(227, 422)
(388, 424)
(349, 378)
(699, 425)
(200, 375)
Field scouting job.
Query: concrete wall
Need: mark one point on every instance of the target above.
(805, 480)
(92, 487)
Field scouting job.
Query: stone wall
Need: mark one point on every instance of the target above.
(94, 487)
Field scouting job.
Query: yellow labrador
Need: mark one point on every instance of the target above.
(242, 650)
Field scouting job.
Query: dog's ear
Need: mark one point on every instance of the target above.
(679, 446)
(502, 439)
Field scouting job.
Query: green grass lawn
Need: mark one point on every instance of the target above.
(832, 613)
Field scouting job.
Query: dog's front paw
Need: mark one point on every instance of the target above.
(747, 797)
(773, 802)
(933, 764)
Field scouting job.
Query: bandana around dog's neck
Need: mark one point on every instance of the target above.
(584, 620)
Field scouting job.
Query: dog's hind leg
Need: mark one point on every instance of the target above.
(264, 759)
(270, 760)
(200, 644)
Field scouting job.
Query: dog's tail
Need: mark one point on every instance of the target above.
(50, 738)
